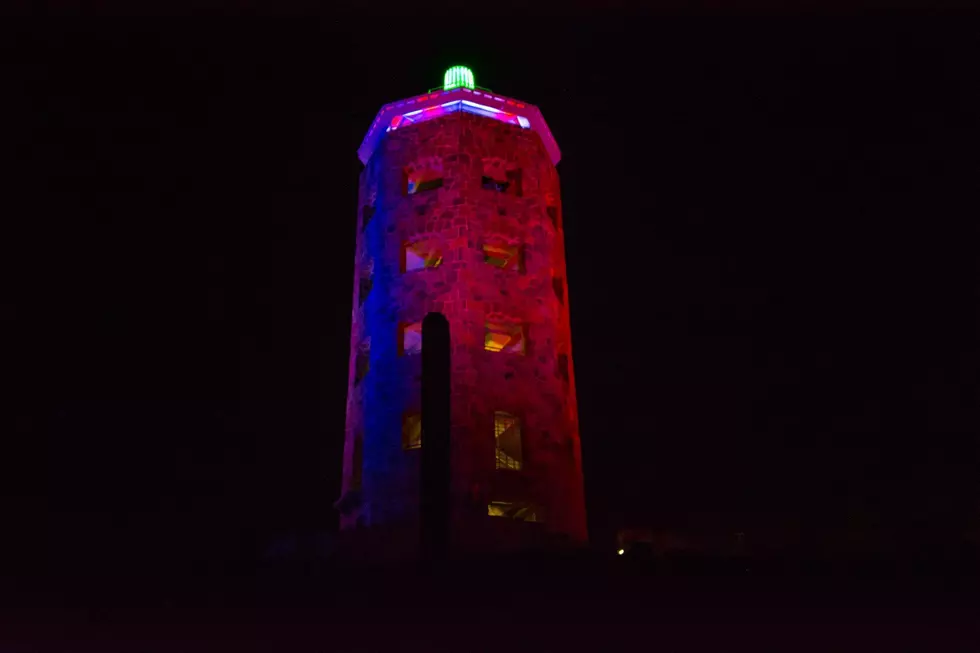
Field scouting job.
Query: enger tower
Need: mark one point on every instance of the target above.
(460, 214)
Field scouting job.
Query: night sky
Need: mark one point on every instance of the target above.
(771, 241)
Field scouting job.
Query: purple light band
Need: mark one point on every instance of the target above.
(435, 105)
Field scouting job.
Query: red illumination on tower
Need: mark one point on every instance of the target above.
(460, 213)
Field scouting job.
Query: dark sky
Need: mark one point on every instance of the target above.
(770, 227)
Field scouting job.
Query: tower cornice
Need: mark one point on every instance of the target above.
(403, 113)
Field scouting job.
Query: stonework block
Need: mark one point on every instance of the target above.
(458, 217)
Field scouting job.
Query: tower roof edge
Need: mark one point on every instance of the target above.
(439, 103)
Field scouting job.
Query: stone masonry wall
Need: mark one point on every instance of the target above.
(538, 387)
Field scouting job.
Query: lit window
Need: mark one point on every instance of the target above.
(520, 510)
(507, 338)
(507, 432)
(508, 257)
(418, 256)
(422, 179)
(412, 431)
(410, 339)
(357, 462)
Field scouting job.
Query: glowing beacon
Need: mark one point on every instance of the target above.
(460, 213)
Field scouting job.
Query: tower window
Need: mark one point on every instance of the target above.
(418, 256)
(421, 185)
(558, 284)
(498, 177)
(508, 257)
(412, 431)
(364, 290)
(410, 339)
(362, 362)
(507, 338)
(519, 510)
(507, 432)
(423, 176)
(489, 183)
(367, 212)
(357, 462)
(555, 216)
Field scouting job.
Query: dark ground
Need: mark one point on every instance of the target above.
(573, 602)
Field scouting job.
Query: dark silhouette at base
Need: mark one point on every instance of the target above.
(434, 487)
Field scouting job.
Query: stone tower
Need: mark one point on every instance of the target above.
(460, 213)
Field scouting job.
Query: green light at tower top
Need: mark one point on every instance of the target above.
(458, 77)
